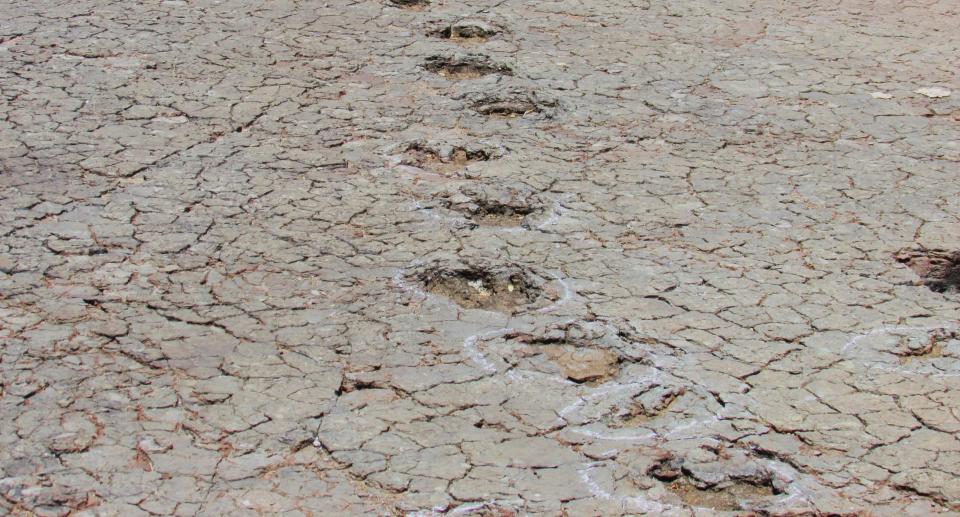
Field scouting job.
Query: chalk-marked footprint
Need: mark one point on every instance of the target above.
(626, 408)
(930, 351)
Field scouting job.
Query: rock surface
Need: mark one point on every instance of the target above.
(216, 220)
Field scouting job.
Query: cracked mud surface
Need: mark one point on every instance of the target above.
(677, 258)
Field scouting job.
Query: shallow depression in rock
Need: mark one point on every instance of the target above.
(492, 213)
(415, 5)
(511, 102)
(580, 362)
(467, 31)
(443, 158)
(465, 67)
(499, 289)
(648, 405)
(933, 351)
(938, 269)
(734, 481)
(728, 498)
(506, 106)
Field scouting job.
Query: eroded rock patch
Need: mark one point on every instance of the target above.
(505, 289)
(446, 158)
(467, 31)
(577, 361)
(647, 405)
(496, 206)
(511, 103)
(938, 269)
(580, 351)
(909, 350)
(731, 481)
(494, 213)
(936, 345)
(726, 498)
(470, 66)
(414, 5)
